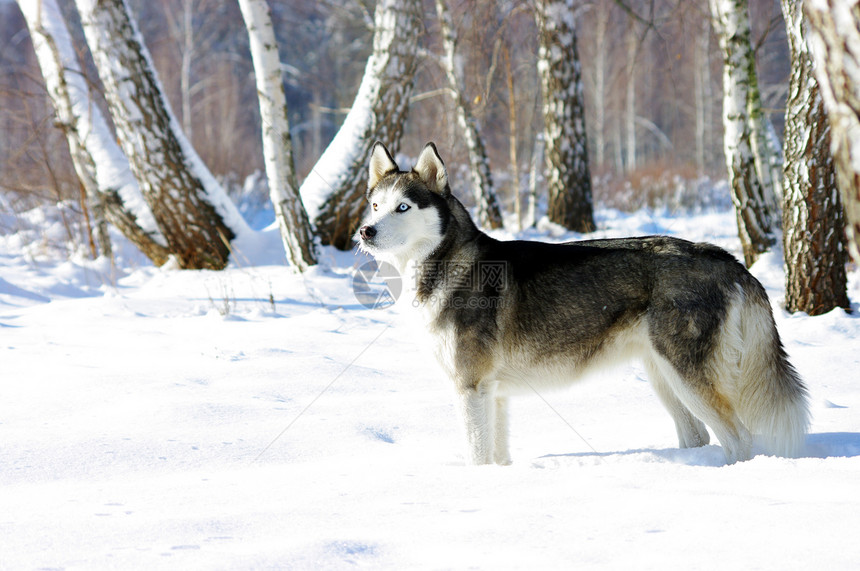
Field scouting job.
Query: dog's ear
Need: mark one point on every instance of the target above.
(431, 170)
(381, 164)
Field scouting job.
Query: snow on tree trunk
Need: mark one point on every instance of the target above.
(99, 163)
(752, 197)
(479, 164)
(333, 192)
(834, 34)
(815, 279)
(568, 176)
(193, 213)
(277, 144)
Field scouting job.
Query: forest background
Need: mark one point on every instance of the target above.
(652, 74)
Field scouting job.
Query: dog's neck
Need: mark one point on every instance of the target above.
(461, 233)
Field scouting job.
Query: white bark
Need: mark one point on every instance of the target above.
(834, 37)
(534, 173)
(187, 57)
(277, 146)
(702, 94)
(748, 164)
(99, 163)
(479, 164)
(193, 212)
(630, 98)
(601, 49)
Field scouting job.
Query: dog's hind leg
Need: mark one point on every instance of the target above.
(501, 454)
(478, 411)
(691, 431)
(702, 399)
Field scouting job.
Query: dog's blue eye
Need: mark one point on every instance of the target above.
(403, 207)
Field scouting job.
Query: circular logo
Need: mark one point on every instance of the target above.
(376, 285)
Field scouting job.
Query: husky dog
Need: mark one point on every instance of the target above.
(514, 316)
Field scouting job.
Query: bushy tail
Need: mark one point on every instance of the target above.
(773, 400)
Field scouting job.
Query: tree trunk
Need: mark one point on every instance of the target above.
(834, 34)
(568, 176)
(195, 216)
(813, 226)
(630, 97)
(534, 173)
(99, 164)
(601, 49)
(277, 144)
(479, 164)
(333, 192)
(702, 95)
(741, 114)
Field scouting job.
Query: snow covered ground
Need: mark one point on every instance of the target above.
(252, 418)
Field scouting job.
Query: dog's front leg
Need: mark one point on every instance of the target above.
(478, 413)
(501, 454)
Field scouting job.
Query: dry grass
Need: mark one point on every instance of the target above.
(660, 186)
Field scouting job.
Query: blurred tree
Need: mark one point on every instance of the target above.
(479, 164)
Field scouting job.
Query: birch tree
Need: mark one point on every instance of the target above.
(834, 34)
(630, 95)
(101, 168)
(745, 144)
(479, 164)
(333, 192)
(568, 175)
(813, 236)
(193, 213)
(702, 94)
(277, 144)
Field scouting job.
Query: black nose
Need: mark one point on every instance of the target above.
(367, 232)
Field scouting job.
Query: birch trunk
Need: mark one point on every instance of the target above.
(630, 98)
(193, 213)
(601, 47)
(702, 95)
(534, 173)
(813, 236)
(333, 192)
(101, 167)
(741, 114)
(277, 144)
(487, 205)
(834, 34)
(568, 176)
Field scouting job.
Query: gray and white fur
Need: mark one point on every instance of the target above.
(697, 319)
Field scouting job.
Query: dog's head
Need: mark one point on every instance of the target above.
(409, 210)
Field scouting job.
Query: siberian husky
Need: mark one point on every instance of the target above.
(512, 316)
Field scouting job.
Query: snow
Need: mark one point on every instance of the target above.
(254, 418)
